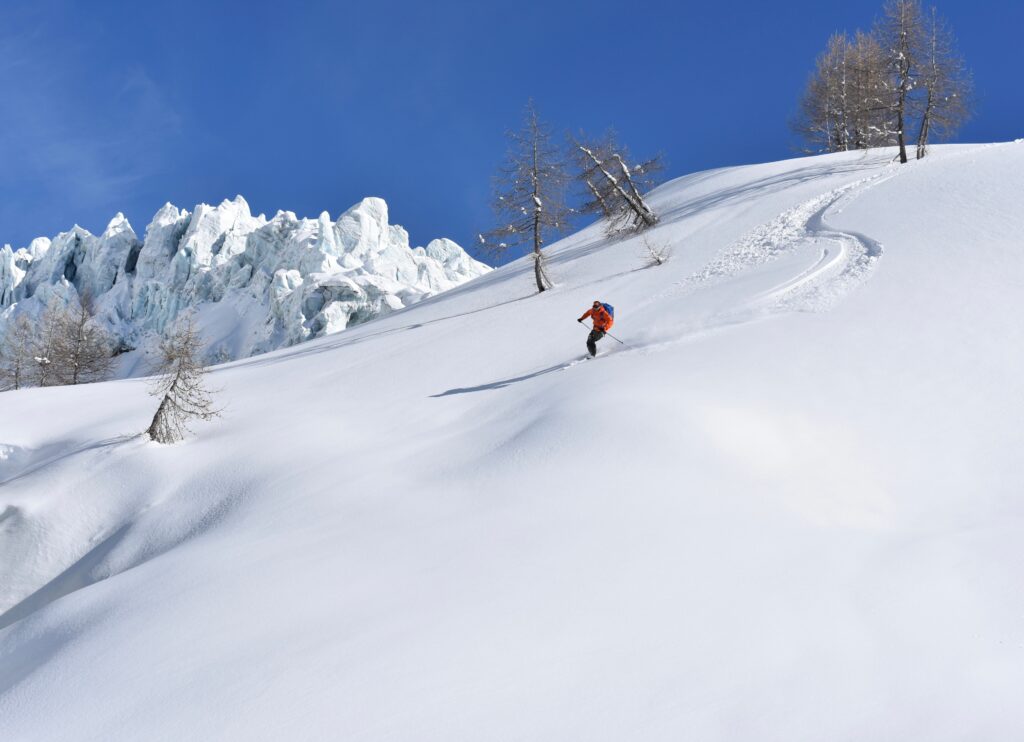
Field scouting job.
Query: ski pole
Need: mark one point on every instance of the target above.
(608, 334)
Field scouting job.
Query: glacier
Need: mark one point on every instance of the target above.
(253, 284)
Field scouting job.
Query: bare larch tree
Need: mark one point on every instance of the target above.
(17, 354)
(46, 331)
(612, 187)
(179, 384)
(823, 116)
(82, 351)
(947, 85)
(529, 194)
(901, 34)
(870, 112)
(870, 90)
(845, 104)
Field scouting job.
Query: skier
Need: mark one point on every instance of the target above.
(603, 317)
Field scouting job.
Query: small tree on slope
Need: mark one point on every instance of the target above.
(614, 187)
(529, 191)
(179, 385)
(16, 354)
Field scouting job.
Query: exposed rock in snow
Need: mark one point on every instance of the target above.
(255, 284)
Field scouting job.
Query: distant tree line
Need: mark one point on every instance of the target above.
(63, 344)
(534, 188)
(903, 83)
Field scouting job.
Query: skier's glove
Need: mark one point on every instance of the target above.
(580, 320)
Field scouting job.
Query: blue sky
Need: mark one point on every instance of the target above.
(121, 106)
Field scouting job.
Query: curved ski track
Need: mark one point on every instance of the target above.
(845, 259)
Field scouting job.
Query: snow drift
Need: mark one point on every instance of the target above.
(787, 509)
(256, 284)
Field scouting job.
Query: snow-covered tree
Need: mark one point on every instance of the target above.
(947, 85)
(529, 194)
(179, 384)
(17, 363)
(613, 188)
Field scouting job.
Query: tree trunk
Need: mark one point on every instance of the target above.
(931, 81)
(904, 81)
(154, 426)
(900, 110)
(539, 273)
(605, 208)
(538, 257)
(637, 201)
(538, 242)
(538, 206)
(922, 137)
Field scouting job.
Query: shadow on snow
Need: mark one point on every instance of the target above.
(502, 383)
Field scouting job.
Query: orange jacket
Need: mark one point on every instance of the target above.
(602, 320)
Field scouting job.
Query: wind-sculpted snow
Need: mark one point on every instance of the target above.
(255, 284)
(438, 527)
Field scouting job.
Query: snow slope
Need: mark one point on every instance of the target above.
(788, 509)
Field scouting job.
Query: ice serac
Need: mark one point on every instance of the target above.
(254, 284)
(12, 271)
(105, 261)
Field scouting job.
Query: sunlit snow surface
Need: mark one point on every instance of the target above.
(788, 508)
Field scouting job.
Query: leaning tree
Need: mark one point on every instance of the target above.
(179, 384)
(613, 188)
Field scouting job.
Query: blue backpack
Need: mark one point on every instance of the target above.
(610, 309)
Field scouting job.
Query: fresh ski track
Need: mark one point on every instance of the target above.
(845, 258)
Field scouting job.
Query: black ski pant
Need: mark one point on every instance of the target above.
(592, 339)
